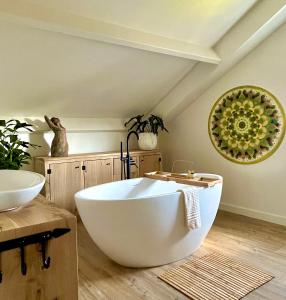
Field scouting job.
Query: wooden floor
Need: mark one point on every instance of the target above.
(255, 242)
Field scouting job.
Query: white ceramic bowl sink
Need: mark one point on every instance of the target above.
(17, 188)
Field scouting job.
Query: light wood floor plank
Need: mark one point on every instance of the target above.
(255, 242)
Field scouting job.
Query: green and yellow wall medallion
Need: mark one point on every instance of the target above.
(246, 124)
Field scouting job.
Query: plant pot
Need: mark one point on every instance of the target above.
(147, 141)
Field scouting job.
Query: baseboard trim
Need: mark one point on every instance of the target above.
(253, 213)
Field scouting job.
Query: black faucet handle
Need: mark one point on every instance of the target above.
(133, 162)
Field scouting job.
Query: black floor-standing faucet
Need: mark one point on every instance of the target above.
(127, 161)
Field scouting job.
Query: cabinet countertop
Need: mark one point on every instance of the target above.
(96, 154)
(31, 218)
(60, 280)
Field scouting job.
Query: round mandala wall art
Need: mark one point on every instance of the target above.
(246, 124)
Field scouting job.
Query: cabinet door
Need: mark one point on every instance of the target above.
(117, 168)
(97, 172)
(106, 170)
(149, 163)
(65, 180)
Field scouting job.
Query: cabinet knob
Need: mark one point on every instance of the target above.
(108, 164)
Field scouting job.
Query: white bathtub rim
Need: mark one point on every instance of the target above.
(79, 197)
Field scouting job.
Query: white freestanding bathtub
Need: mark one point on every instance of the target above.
(140, 222)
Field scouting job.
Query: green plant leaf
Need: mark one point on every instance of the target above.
(223, 144)
(271, 127)
(250, 151)
(264, 143)
(241, 97)
(216, 130)
(13, 138)
(13, 150)
(269, 111)
(227, 103)
(152, 124)
(218, 115)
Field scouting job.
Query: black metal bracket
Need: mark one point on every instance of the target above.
(38, 238)
(46, 260)
(23, 263)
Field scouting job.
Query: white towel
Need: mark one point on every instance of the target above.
(192, 207)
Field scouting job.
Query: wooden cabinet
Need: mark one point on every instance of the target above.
(97, 172)
(67, 175)
(65, 180)
(149, 163)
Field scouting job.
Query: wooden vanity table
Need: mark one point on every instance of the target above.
(58, 281)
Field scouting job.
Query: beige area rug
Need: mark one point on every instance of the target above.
(215, 277)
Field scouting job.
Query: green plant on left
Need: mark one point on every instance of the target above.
(14, 151)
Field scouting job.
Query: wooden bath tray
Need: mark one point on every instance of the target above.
(183, 178)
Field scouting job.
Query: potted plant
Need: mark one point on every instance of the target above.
(13, 150)
(147, 129)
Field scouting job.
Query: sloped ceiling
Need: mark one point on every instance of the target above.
(201, 22)
(45, 72)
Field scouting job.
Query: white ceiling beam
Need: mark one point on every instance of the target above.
(59, 21)
(263, 19)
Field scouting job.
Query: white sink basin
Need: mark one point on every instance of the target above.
(17, 188)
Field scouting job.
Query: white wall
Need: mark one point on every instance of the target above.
(256, 190)
(91, 86)
(79, 142)
(84, 135)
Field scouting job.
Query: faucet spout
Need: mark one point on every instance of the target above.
(127, 161)
(127, 141)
